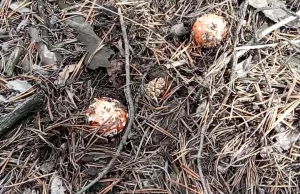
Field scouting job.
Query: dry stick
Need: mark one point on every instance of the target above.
(127, 91)
(239, 27)
(236, 54)
(41, 11)
(202, 134)
(288, 42)
(33, 104)
(278, 25)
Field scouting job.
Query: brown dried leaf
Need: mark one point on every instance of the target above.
(64, 75)
(285, 138)
(2, 98)
(258, 3)
(201, 108)
(47, 57)
(47, 166)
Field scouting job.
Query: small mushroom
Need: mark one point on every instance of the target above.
(209, 30)
(109, 115)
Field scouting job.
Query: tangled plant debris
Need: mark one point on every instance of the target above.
(208, 113)
(275, 10)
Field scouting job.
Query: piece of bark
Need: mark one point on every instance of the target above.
(87, 36)
(14, 59)
(33, 104)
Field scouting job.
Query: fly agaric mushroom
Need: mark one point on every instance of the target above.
(109, 115)
(209, 30)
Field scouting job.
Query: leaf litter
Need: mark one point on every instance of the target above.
(98, 54)
(19, 7)
(276, 10)
(285, 138)
(234, 122)
(64, 75)
(19, 85)
(179, 29)
(47, 57)
(243, 67)
(2, 98)
(57, 186)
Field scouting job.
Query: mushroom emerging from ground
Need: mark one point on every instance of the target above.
(209, 30)
(109, 115)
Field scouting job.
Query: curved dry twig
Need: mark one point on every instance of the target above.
(128, 95)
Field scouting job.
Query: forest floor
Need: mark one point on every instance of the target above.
(227, 120)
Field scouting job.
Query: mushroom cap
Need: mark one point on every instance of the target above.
(108, 114)
(209, 30)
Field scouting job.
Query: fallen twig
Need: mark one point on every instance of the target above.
(239, 27)
(127, 91)
(267, 45)
(35, 103)
(235, 55)
(202, 134)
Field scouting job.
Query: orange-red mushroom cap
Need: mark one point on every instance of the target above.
(209, 30)
(109, 115)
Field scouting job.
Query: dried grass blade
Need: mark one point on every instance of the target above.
(109, 187)
(292, 107)
(78, 66)
(190, 172)
(162, 130)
